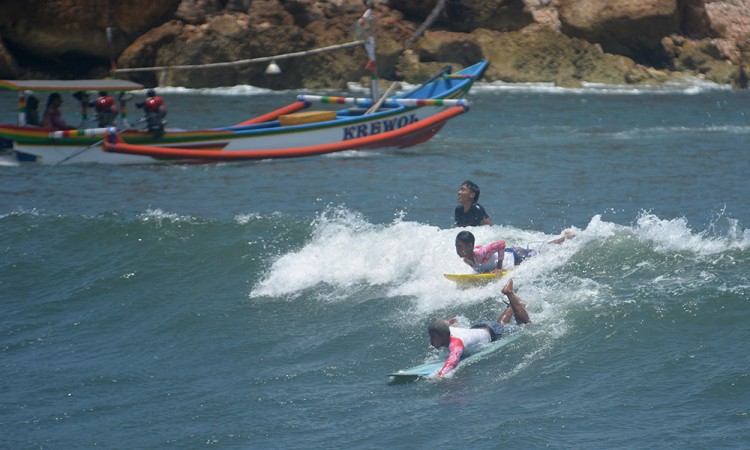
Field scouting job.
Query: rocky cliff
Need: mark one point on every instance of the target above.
(561, 41)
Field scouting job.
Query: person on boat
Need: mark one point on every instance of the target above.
(32, 111)
(106, 109)
(52, 115)
(496, 257)
(155, 112)
(465, 341)
(469, 213)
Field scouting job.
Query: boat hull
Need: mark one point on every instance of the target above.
(409, 135)
(275, 138)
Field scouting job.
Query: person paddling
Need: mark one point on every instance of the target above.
(496, 256)
(464, 341)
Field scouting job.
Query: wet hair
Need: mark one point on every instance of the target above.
(466, 237)
(150, 93)
(439, 327)
(473, 188)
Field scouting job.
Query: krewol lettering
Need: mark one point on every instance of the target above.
(378, 126)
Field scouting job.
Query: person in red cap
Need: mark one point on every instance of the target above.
(106, 109)
(155, 112)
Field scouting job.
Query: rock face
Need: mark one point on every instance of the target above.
(561, 41)
(60, 34)
(559, 59)
(730, 20)
(467, 15)
(632, 28)
(8, 67)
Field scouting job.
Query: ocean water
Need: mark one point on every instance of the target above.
(262, 304)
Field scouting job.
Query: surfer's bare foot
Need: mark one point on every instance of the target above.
(508, 313)
(516, 306)
(508, 289)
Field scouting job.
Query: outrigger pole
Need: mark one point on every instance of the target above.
(365, 102)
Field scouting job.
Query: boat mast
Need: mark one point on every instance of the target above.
(366, 22)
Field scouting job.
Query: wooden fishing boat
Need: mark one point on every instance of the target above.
(398, 121)
(411, 133)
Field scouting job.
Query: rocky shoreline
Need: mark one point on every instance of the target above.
(566, 42)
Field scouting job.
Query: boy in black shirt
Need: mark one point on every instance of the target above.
(469, 213)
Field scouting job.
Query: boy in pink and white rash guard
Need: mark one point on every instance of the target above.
(483, 259)
(496, 257)
(464, 341)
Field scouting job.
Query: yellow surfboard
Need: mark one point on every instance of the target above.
(473, 279)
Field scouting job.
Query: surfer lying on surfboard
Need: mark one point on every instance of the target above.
(495, 257)
(464, 341)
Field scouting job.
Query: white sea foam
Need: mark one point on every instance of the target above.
(409, 259)
(639, 133)
(160, 217)
(690, 86)
(22, 212)
(675, 235)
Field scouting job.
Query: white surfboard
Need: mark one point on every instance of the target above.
(431, 368)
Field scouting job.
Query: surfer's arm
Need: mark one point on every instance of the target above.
(456, 349)
(499, 248)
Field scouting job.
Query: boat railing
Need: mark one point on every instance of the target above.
(392, 102)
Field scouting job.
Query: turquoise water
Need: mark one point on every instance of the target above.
(261, 305)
